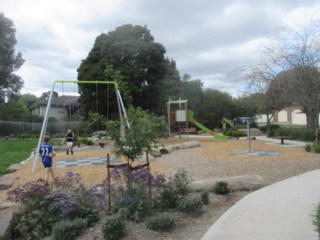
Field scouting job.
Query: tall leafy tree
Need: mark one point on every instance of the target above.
(14, 110)
(29, 99)
(10, 62)
(216, 105)
(131, 50)
(169, 88)
(300, 85)
(192, 90)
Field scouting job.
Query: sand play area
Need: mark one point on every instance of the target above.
(213, 159)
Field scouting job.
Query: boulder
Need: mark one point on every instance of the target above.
(98, 133)
(168, 149)
(6, 181)
(155, 152)
(236, 183)
(6, 217)
(190, 144)
(15, 167)
(171, 148)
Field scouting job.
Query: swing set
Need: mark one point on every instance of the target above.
(121, 109)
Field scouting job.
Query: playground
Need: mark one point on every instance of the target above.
(210, 156)
(213, 159)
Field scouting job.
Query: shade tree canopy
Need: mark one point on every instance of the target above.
(10, 61)
(138, 59)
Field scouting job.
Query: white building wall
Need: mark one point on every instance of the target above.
(262, 118)
(57, 113)
(298, 117)
(282, 116)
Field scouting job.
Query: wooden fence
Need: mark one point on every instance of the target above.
(12, 129)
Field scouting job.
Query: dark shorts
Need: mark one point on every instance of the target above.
(47, 164)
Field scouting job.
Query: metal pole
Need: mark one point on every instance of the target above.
(44, 128)
(109, 180)
(317, 118)
(169, 116)
(248, 134)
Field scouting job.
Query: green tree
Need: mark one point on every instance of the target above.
(29, 99)
(300, 85)
(170, 87)
(10, 62)
(192, 90)
(14, 110)
(250, 105)
(102, 98)
(144, 129)
(216, 105)
(45, 95)
(131, 50)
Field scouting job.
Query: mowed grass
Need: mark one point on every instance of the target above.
(15, 151)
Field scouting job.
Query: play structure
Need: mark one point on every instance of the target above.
(121, 108)
(180, 118)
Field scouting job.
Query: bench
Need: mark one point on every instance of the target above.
(282, 138)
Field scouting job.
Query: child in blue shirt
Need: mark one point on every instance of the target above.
(46, 154)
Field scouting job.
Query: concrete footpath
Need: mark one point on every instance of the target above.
(281, 211)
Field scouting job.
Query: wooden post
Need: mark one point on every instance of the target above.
(148, 167)
(109, 181)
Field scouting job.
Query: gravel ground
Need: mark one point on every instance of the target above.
(213, 159)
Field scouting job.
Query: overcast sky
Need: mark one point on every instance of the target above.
(207, 38)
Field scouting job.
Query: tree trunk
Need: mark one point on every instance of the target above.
(311, 115)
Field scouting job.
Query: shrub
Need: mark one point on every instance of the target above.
(160, 222)
(85, 141)
(167, 199)
(221, 188)
(235, 133)
(263, 129)
(132, 192)
(308, 147)
(317, 149)
(165, 196)
(180, 181)
(113, 228)
(271, 133)
(27, 135)
(43, 205)
(33, 224)
(190, 205)
(68, 229)
(205, 198)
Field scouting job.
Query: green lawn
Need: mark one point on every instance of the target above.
(15, 151)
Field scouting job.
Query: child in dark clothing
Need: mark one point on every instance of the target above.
(69, 137)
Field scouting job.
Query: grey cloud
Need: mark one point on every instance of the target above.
(202, 36)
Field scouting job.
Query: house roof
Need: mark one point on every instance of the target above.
(58, 102)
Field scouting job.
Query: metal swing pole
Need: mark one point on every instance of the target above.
(45, 120)
(123, 109)
(44, 127)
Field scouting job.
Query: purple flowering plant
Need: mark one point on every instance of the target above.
(29, 194)
(66, 197)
